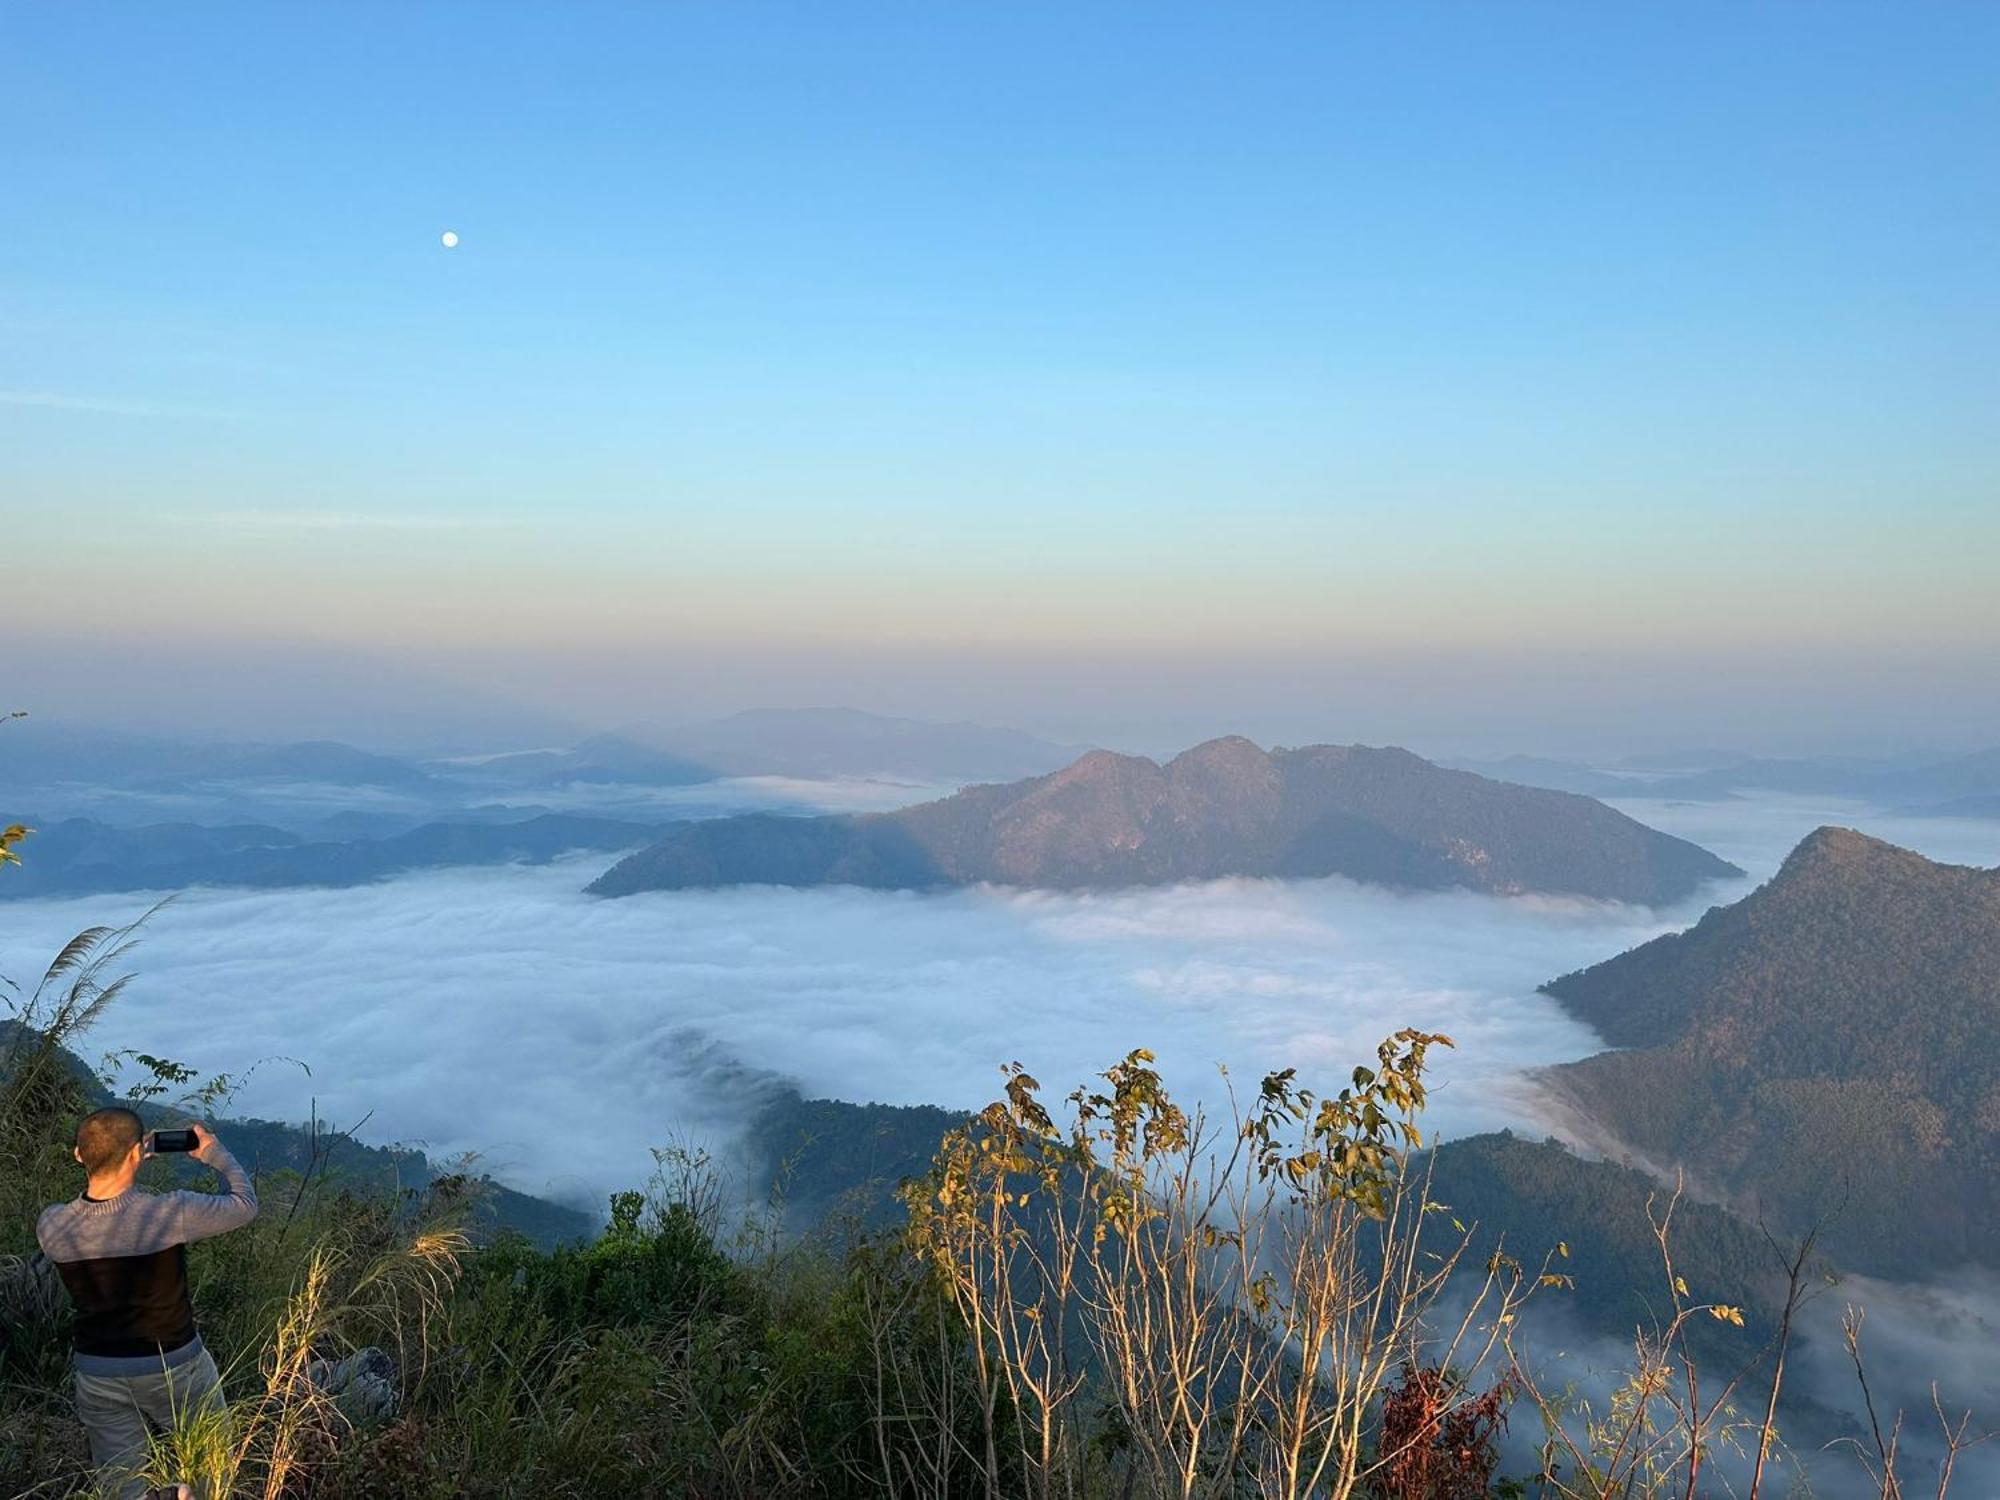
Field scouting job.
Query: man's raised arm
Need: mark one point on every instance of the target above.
(205, 1215)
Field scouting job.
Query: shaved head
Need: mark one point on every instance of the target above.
(106, 1137)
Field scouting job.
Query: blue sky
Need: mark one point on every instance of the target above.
(1027, 342)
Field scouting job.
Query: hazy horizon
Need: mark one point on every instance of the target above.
(1465, 708)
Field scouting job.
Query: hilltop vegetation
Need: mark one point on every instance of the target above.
(838, 1165)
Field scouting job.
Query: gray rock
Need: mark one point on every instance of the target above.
(363, 1385)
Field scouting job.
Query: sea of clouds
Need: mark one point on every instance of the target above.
(1757, 830)
(504, 1012)
(559, 1036)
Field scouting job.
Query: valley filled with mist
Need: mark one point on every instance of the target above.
(426, 951)
(467, 993)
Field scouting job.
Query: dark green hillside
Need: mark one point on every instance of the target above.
(840, 1163)
(1536, 1195)
(268, 1146)
(829, 1162)
(1835, 1036)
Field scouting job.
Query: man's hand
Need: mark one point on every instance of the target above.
(203, 1139)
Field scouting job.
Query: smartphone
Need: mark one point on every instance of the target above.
(172, 1140)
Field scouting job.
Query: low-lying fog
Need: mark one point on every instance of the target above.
(1758, 830)
(504, 1012)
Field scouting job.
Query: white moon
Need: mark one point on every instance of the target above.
(449, 239)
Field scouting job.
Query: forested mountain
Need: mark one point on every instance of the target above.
(830, 1163)
(1532, 1196)
(1222, 808)
(826, 1162)
(1831, 1039)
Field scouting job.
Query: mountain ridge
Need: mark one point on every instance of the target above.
(75, 771)
(1224, 807)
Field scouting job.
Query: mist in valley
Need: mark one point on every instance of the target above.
(502, 1013)
(559, 1035)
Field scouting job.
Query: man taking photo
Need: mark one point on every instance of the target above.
(122, 1252)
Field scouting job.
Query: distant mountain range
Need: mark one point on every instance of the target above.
(120, 812)
(80, 856)
(1831, 1041)
(127, 779)
(1920, 784)
(1909, 782)
(1223, 808)
(34, 754)
(67, 771)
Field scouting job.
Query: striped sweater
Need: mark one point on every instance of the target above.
(124, 1260)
